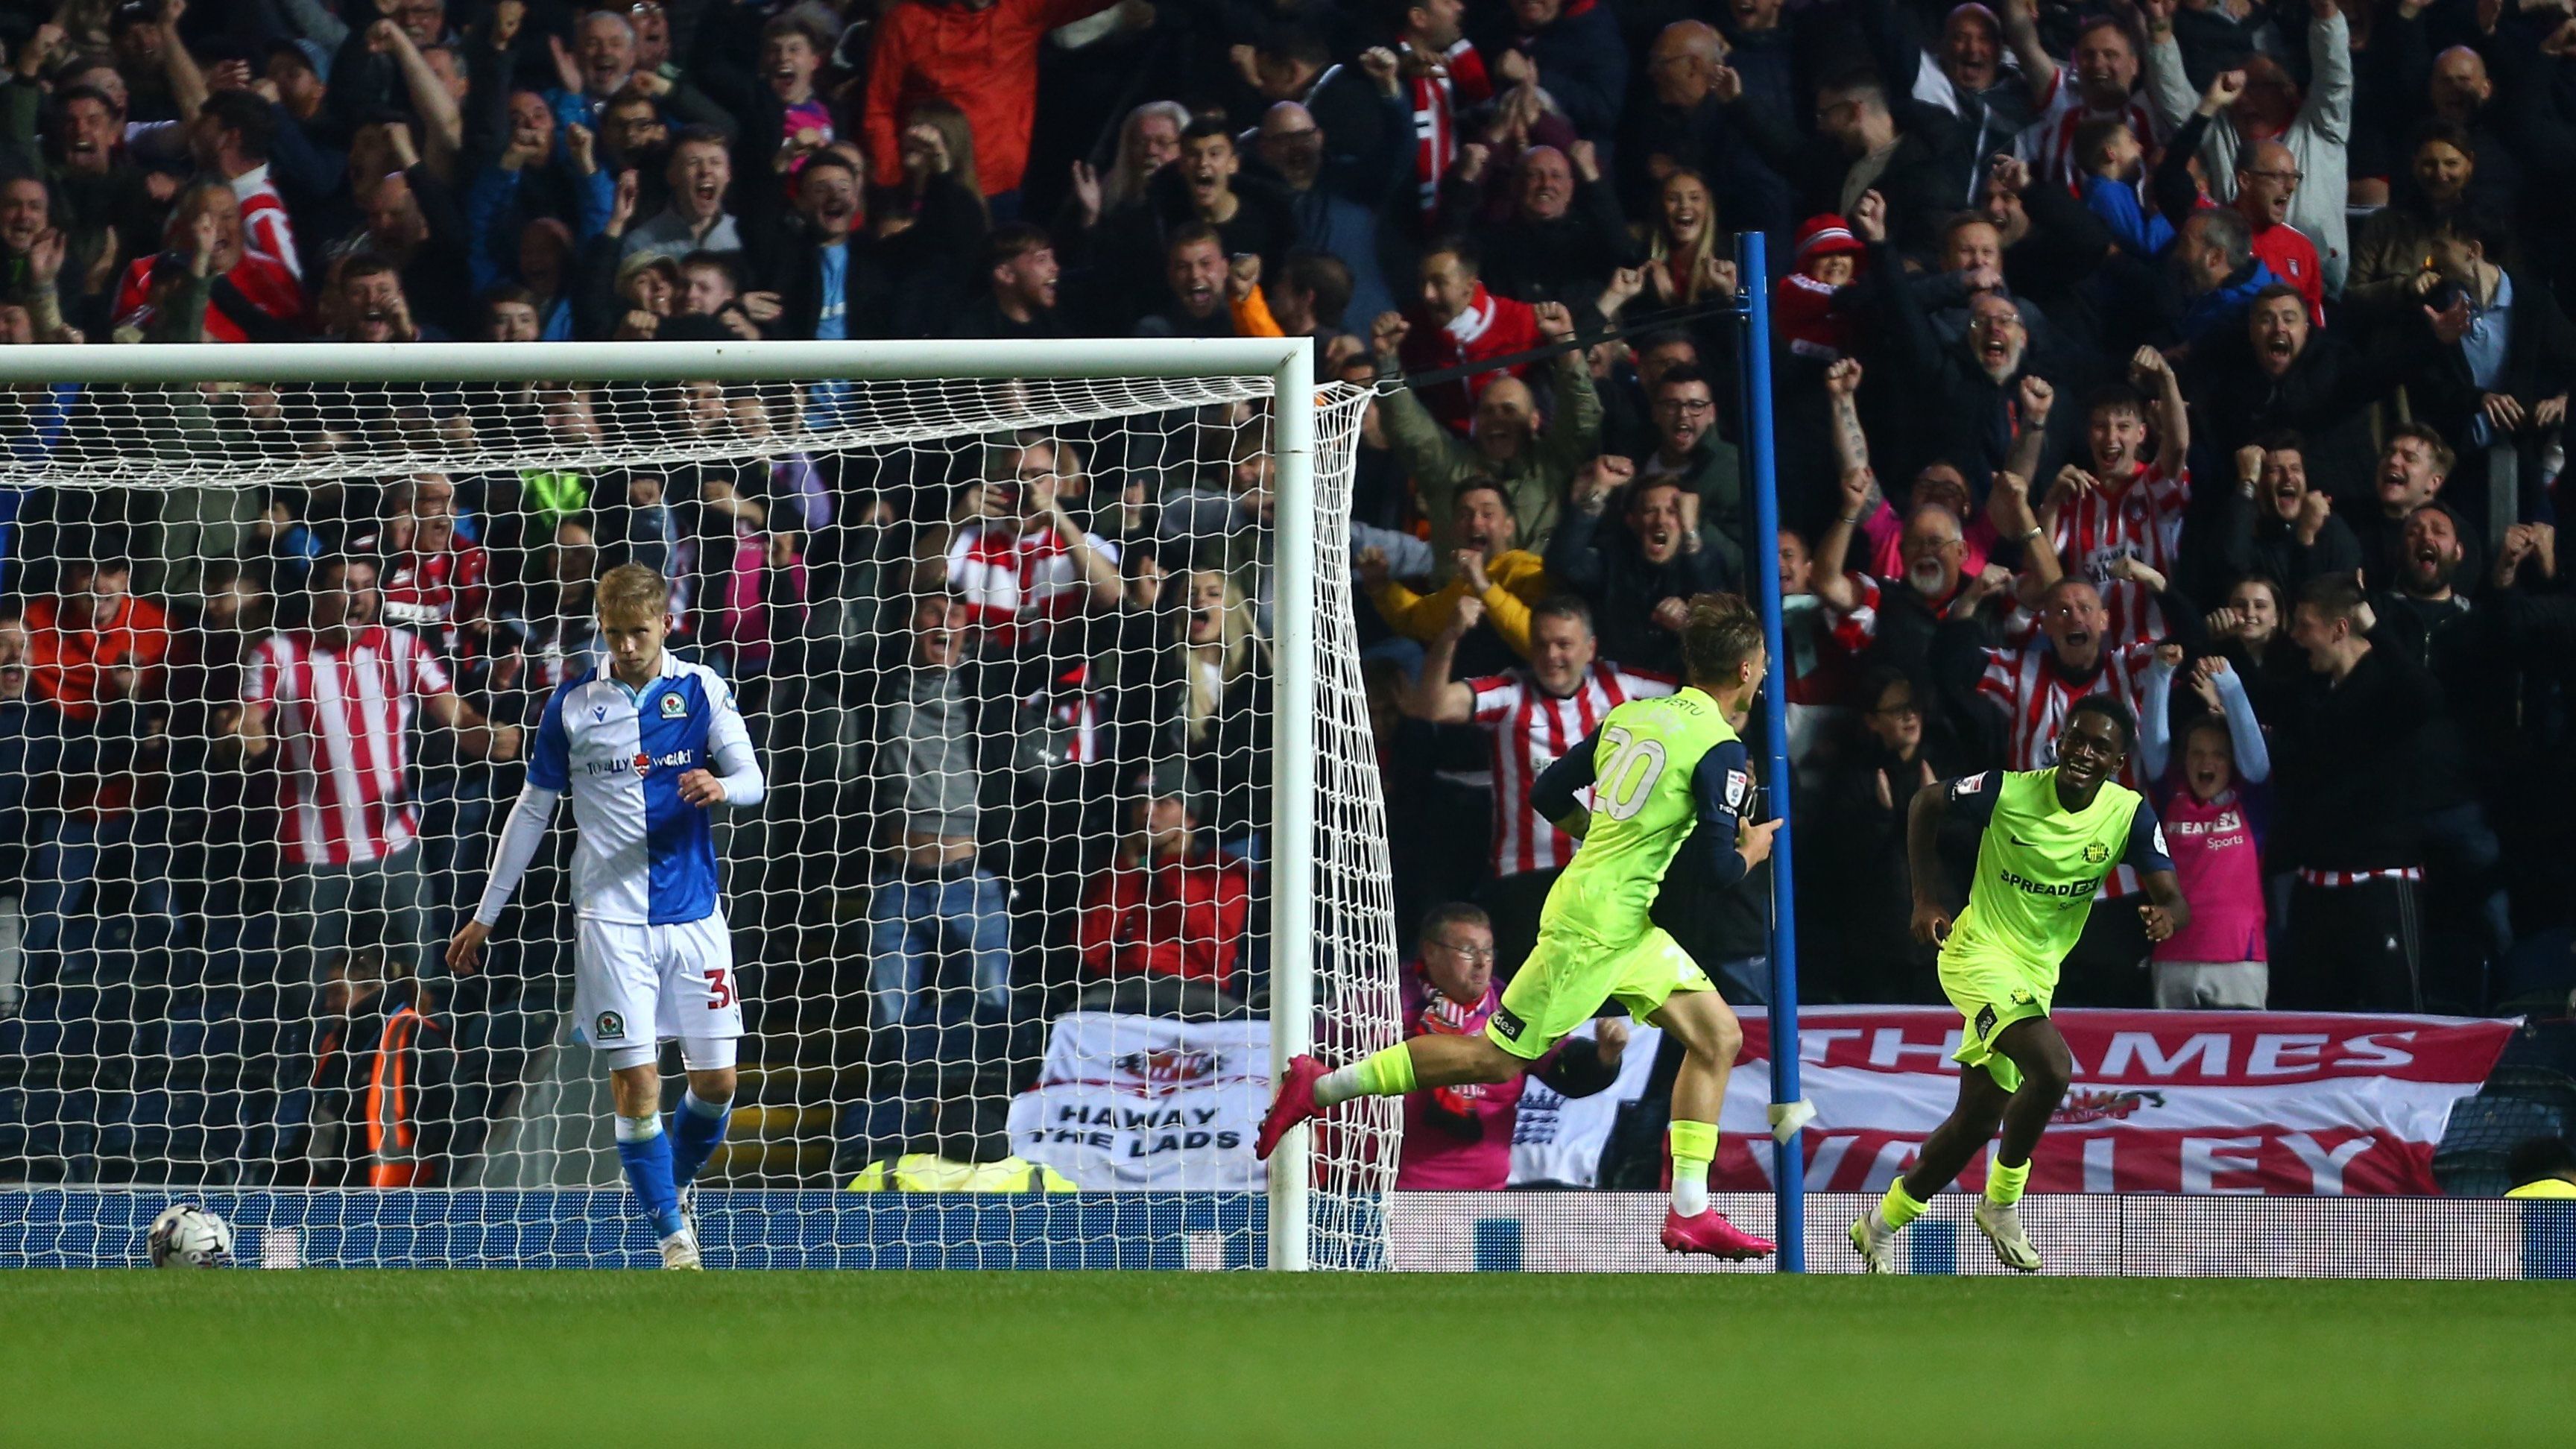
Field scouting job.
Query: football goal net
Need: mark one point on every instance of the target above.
(1071, 828)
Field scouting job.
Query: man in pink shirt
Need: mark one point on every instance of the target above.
(1459, 1139)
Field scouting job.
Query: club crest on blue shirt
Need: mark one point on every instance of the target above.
(673, 706)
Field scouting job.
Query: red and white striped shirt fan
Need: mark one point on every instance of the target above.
(2142, 521)
(1436, 101)
(2048, 143)
(340, 718)
(1019, 585)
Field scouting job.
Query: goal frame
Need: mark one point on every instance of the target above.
(1288, 362)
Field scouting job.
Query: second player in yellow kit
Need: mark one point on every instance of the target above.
(2039, 865)
(2048, 839)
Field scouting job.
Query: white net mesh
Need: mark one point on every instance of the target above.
(274, 662)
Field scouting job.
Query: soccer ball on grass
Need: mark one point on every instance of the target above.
(188, 1236)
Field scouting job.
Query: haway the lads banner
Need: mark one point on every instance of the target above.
(2201, 1102)
(1131, 1102)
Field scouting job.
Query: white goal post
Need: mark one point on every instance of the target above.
(390, 412)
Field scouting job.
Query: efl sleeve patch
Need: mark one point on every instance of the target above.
(1967, 785)
(1739, 791)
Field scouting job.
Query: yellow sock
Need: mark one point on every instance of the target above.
(1387, 1074)
(2004, 1184)
(1899, 1206)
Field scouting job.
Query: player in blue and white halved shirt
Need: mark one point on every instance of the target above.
(645, 746)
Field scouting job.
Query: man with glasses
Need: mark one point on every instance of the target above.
(1459, 1138)
(1676, 119)
(1973, 399)
(2267, 187)
(2265, 105)
(1690, 453)
(1336, 204)
(2268, 180)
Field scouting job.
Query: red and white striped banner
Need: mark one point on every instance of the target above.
(2204, 1101)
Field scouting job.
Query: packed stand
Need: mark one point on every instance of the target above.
(2206, 355)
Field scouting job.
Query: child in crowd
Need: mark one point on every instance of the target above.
(2218, 959)
(792, 50)
(2111, 170)
(1808, 307)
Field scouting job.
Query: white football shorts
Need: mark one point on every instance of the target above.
(635, 987)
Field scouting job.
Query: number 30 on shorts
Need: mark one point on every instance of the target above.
(719, 988)
(1622, 782)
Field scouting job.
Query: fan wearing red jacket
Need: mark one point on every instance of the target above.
(1458, 322)
(1166, 906)
(249, 295)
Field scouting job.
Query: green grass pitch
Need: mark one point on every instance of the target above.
(1387, 1361)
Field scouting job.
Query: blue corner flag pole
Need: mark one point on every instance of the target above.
(1789, 1176)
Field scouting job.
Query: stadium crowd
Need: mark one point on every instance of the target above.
(2205, 354)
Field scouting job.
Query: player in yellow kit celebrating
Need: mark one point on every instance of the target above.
(2050, 837)
(1659, 770)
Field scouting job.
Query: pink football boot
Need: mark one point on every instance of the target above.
(1712, 1234)
(1294, 1104)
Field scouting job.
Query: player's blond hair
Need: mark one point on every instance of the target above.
(1721, 632)
(634, 588)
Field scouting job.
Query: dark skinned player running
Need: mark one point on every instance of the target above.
(2050, 836)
